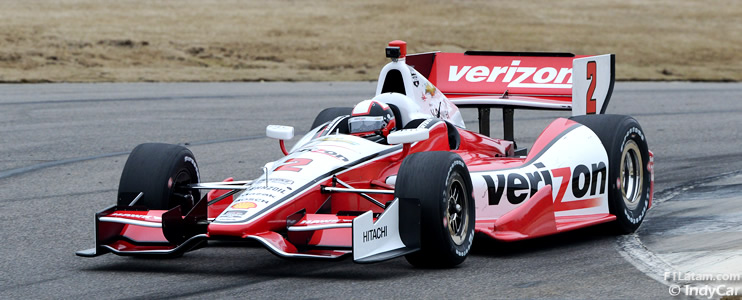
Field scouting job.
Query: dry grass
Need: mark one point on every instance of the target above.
(210, 40)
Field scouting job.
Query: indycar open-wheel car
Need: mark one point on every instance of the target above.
(419, 187)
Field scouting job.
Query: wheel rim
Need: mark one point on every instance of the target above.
(457, 218)
(183, 196)
(631, 175)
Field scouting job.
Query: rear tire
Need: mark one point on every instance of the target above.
(329, 114)
(441, 181)
(161, 172)
(628, 158)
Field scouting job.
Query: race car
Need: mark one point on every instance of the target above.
(401, 175)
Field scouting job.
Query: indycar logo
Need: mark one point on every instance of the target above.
(517, 187)
(514, 75)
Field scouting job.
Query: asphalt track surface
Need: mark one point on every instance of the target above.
(63, 146)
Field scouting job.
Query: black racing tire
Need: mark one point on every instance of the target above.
(329, 114)
(441, 182)
(161, 172)
(628, 172)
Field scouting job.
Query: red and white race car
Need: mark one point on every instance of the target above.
(400, 175)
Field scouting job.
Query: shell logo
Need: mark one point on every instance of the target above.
(245, 205)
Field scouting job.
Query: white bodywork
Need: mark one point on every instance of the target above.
(602, 80)
(289, 176)
(422, 99)
(370, 238)
(408, 136)
(279, 132)
(562, 154)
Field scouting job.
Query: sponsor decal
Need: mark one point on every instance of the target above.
(262, 195)
(470, 239)
(430, 89)
(234, 213)
(266, 188)
(517, 187)
(273, 180)
(374, 234)
(633, 131)
(190, 160)
(337, 139)
(329, 153)
(514, 75)
(135, 216)
(425, 123)
(630, 215)
(312, 222)
(281, 181)
(257, 200)
(244, 205)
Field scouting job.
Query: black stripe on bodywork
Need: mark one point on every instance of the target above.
(332, 125)
(316, 180)
(610, 88)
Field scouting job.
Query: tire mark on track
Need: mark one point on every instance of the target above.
(27, 169)
(217, 97)
(163, 98)
(3, 201)
(31, 168)
(633, 250)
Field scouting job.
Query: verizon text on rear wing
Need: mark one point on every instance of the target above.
(519, 80)
(531, 80)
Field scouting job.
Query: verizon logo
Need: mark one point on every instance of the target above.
(515, 76)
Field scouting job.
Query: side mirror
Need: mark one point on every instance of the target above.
(408, 136)
(279, 132)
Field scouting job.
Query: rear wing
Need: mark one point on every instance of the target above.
(520, 80)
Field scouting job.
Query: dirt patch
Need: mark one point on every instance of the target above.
(231, 40)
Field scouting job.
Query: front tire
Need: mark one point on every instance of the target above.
(329, 114)
(161, 172)
(629, 176)
(442, 184)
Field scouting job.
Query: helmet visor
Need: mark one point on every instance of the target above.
(365, 124)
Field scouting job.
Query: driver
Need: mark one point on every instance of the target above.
(372, 120)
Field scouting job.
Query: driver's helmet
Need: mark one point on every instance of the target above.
(371, 117)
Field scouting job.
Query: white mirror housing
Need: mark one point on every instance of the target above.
(280, 132)
(405, 136)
